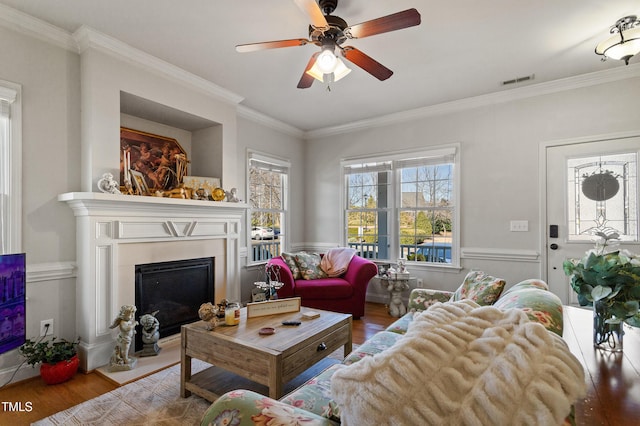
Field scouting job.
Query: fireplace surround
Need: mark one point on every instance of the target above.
(114, 233)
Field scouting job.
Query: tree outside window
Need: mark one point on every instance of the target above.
(403, 208)
(267, 192)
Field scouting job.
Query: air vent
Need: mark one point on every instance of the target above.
(518, 80)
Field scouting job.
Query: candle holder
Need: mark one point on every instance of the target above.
(271, 282)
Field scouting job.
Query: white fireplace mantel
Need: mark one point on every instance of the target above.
(114, 232)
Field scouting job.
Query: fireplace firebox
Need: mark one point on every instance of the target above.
(175, 289)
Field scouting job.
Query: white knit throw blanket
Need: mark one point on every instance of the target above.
(462, 364)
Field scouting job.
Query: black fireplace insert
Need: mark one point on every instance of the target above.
(175, 289)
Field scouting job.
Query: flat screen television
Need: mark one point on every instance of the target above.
(12, 301)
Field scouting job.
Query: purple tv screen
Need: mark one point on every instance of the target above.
(12, 301)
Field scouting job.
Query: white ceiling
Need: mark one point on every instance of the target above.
(461, 49)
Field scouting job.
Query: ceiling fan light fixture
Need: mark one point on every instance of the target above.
(341, 70)
(327, 61)
(316, 73)
(625, 41)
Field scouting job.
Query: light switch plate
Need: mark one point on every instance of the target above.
(519, 226)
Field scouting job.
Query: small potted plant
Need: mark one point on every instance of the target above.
(58, 358)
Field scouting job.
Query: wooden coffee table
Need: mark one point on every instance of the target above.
(239, 352)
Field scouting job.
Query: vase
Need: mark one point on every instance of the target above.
(606, 335)
(59, 372)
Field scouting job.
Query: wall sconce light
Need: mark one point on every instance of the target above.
(625, 41)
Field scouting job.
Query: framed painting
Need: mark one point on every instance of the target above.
(160, 162)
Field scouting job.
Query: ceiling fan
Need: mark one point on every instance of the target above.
(330, 32)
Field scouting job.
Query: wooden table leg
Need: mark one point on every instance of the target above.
(348, 347)
(276, 387)
(185, 366)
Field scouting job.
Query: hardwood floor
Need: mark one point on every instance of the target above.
(45, 400)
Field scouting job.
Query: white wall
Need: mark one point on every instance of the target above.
(499, 162)
(258, 137)
(50, 79)
(103, 77)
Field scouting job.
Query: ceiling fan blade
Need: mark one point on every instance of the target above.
(395, 21)
(311, 8)
(253, 47)
(306, 80)
(367, 63)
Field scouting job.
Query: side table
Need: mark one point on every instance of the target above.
(395, 287)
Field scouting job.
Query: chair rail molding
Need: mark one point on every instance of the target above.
(512, 255)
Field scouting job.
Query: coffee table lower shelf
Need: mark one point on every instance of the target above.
(214, 381)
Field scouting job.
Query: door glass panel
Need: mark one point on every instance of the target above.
(602, 196)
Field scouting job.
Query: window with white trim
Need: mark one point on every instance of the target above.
(10, 168)
(404, 206)
(268, 190)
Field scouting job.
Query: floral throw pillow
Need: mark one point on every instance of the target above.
(479, 287)
(309, 265)
(290, 260)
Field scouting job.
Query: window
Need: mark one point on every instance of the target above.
(10, 168)
(404, 206)
(602, 196)
(268, 192)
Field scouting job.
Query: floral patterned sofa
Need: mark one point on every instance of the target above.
(312, 404)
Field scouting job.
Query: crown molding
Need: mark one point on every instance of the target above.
(260, 118)
(533, 90)
(34, 27)
(88, 38)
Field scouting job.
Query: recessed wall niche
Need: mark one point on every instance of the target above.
(201, 138)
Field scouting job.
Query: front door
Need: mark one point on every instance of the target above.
(591, 187)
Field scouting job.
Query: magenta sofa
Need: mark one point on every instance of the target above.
(344, 294)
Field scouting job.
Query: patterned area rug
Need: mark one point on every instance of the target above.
(154, 399)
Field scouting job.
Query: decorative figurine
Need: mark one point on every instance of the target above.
(200, 194)
(402, 268)
(232, 195)
(150, 334)
(108, 185)
(396, 305)
(209, 314)
(126, 324)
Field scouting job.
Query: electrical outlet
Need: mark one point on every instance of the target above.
(419, 283)
(43, 327)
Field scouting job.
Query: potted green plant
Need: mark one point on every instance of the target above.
(58, 358)
(610, 282)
